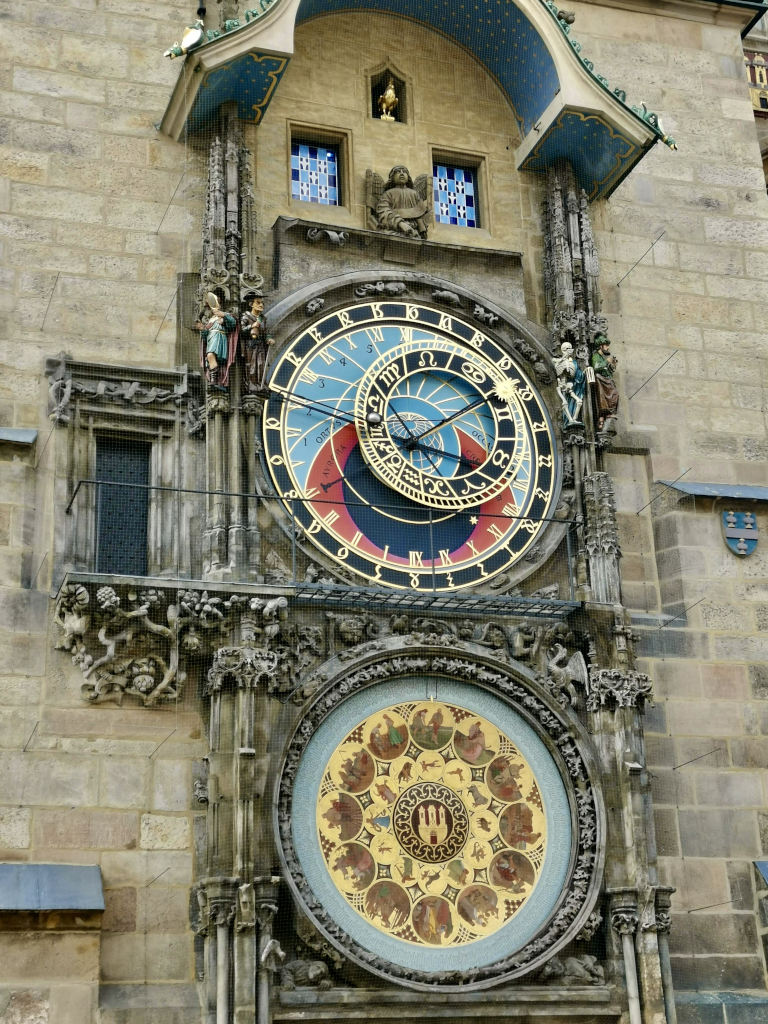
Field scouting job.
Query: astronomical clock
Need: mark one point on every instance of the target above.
(391, 585)
(410, 446)
(438, 816)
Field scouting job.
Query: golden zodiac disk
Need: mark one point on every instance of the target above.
(431, 824)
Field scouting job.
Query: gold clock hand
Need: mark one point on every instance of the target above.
(411, 438)
(450, 419)
(324, 407)
(328, 410)
(461, 459)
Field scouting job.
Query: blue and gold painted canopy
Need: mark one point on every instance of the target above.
(563, 109)
(495, 32)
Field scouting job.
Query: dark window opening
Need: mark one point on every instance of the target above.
(122, 512)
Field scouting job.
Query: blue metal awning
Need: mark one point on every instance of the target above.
(746, 492)
(18, 435)
(51, 887)
(561, 107)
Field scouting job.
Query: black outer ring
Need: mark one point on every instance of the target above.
(502, 557)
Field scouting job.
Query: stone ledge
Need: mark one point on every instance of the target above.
(306, 250)
(571, 1004)
(50, 920)
(721, 1007)
(722, 998)
(385, 244)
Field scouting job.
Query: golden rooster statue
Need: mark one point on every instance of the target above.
(388, 102)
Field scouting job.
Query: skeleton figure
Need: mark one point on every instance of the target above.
(571, 384)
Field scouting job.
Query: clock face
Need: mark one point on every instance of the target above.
(409, 446)
(441, 807)
(429, 827)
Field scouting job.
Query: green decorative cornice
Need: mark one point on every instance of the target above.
(235, 23)
(648, 117)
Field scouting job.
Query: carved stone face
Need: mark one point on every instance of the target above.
(399, 175)
(316, 972)
(191, 643)
(351, 630)
(257, 306)
(495, 636)
(567, 349)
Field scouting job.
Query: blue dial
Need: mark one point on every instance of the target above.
(409, 446)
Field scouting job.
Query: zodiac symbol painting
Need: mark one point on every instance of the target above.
(431, 823)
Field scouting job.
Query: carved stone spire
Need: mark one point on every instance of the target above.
(250, 278)
(601, 537)
(213, 271)
(229, 234)
(591, 264)
(571, 264)
(559, 276)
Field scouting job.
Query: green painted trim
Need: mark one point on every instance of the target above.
(251, 15)
(645, 116)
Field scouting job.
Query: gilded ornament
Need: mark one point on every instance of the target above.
(431, 824)
(192, 37)
(388, 102)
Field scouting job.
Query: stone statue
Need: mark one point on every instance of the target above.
(305, 974)
(388, 102)
(399, 204)
(606, 392)
(563, 672)
(573, 970)
(255, 343)
(571, 383)
(72, 618)
(216, 326)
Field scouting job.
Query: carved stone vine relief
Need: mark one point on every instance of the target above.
(142, 643)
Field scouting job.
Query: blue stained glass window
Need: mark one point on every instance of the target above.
(314, 173)
(454, 190)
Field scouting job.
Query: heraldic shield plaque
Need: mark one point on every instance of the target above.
(440, 832)
(740, 531)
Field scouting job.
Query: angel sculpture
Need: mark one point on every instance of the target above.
(399, 205)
